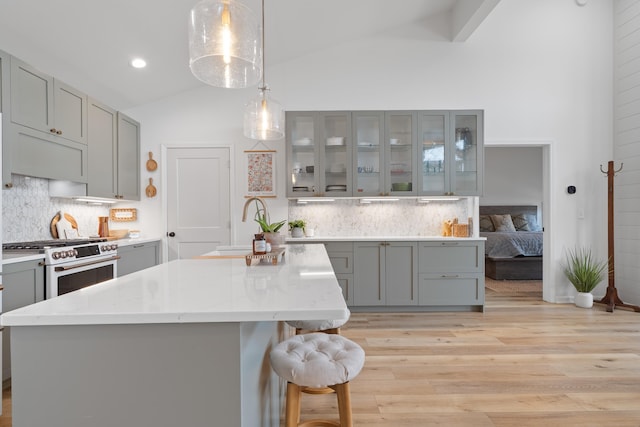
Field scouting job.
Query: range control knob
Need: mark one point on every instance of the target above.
(55, 255)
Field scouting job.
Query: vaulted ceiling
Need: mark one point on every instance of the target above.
(88, 43)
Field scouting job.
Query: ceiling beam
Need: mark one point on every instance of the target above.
(467, 15)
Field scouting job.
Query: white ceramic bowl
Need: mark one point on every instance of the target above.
(302, 141)
(336, 140)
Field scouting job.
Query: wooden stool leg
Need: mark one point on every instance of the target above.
(343, 392)
(292, 411)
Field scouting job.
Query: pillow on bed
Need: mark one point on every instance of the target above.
(503, 222)
(486, 224)
(525, 222)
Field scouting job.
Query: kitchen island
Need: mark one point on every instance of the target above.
(181, 343)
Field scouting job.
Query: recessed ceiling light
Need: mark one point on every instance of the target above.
(138, 63)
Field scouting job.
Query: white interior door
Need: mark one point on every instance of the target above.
(198, 197)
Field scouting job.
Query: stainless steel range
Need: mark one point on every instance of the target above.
(72, 264)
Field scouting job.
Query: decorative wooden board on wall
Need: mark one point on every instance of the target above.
(123, 215)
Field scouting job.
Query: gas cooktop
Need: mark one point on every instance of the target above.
(39, 246)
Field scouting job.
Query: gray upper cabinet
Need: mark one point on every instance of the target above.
(4, 80)
(46, 134)
(450, 153)
(46, 104)
(319, 154)
(5, 67)
(51, 130)
(103, 139)
(128, 168)
(385, 153)
(114, 154)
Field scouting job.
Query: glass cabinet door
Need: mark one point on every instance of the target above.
(467, 153)
(302, 154)
(368, 143)
(335, 149)
(433, 129)
(400, 143)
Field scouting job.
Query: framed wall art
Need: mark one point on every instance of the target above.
(261, 173)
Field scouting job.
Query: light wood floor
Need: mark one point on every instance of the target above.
(521, 363)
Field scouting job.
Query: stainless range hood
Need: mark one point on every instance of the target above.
(76, 191)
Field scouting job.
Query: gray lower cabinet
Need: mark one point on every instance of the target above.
(341, 257)
(138, 257)
(385, 273)
(23, 285)
(410, 275)
(451, 273)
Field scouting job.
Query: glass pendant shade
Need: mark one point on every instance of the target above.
(264, 118)
(225, 44)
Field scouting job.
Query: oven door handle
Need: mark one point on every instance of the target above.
(100, 261)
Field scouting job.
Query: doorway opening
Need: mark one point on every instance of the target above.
(524, 180)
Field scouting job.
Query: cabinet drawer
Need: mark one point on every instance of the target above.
(346, 284)
(446, 257)
(454, 289)
(341, 256)
(339, 246)
(342, 262)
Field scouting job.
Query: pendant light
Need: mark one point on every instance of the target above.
(263, 116)
(224, 44)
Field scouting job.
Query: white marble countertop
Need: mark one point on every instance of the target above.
(380, 238)
(302, 287)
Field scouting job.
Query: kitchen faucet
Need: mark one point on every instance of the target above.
(246, 206)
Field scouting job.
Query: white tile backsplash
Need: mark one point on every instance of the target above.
(27, 211)
(406, 217)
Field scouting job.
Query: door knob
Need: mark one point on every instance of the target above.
(171, 234)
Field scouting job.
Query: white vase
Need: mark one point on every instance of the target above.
(583, 299)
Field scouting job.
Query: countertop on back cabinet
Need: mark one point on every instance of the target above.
(136, 241)
(12, 258)
(316, 239)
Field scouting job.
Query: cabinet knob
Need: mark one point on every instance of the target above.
(9, 185)
(171, 234)
(52, 130)
(58, 132)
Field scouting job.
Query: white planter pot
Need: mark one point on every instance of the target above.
(297, 232)
(584, 300)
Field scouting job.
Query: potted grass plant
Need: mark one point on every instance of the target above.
(584, 272)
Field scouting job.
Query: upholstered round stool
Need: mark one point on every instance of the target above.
(326, 326)
(317, 360)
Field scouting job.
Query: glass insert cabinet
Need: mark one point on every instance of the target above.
(384, 153)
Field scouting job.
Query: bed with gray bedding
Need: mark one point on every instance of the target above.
(513, 249)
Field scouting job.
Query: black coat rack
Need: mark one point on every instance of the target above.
(611, 298)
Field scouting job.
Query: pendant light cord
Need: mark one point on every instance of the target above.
(264, 70)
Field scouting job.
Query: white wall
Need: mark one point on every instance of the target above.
(512, 176)
(627, 150)
(540, 70)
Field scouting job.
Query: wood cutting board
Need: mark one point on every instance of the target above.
(54, 221)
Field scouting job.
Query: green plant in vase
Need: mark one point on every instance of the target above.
(297, 227)
(584, 272)
(271, 231)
